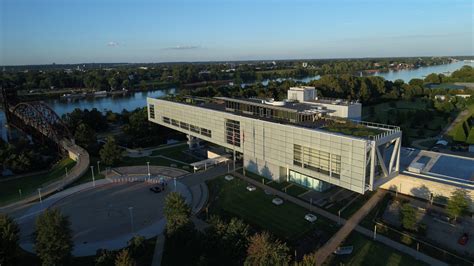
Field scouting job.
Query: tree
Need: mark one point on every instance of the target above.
(105, 257)
(110, 153)
(457, 203)
(53, 238)
(124, 259)
(136, 246)
(226, 242)
(308, 260)
(177, 212)
(85, 137)
(433, 78)
(9, 236)
(263, 250)
(408, 216)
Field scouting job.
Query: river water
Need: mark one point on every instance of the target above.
(408, 74)
(138, 99)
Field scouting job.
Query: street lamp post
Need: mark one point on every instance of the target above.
(130, 209)
(39, 193)
(93, 177)
(148, 167)
(98, 167)
(375, 231)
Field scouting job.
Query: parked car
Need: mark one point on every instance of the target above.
(344, 250)
(463, 239)
(228, 177)
(155, 189)
(277, 201)
(251, 188)
(310, 218)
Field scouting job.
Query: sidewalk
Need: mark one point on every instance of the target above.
(335, 218)
(81, 167)
(325, 251)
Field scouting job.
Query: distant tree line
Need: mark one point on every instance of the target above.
(113, 77)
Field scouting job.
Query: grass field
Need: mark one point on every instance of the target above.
(369, 252)
(128, 161)
(176, 153)
(230, 198)
(28, 185)
(87, 177)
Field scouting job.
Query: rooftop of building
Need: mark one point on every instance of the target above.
(367, 130)
(440, 166)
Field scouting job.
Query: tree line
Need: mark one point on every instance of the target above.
(113, 77)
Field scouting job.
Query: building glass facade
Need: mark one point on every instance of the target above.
(307, 181)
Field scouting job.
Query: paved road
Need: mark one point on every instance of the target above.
(362, 230)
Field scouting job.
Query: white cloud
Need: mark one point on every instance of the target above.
(183, 47)
(112, 44)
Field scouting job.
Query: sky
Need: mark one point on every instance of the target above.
(142, 31)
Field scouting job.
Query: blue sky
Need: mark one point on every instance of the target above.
(74, 31)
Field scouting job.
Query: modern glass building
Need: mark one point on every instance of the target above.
(299, 142)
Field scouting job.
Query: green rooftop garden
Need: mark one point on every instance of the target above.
(352, 129)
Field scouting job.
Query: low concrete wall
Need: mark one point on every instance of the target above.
(425, 189)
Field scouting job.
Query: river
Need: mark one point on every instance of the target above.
(408, 74)
(138, 99)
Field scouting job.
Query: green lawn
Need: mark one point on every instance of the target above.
(87, 177)
(176, 153)
(28, 185)
(127, 161)
(369, 252)
(230, 198)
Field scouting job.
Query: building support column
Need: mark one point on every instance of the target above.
(372, 165)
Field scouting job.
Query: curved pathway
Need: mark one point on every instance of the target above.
(75, 152)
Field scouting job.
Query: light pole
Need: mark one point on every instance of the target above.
(375, 231)
(98, 167)
(93, 177)
(130, 209)
(39, 193)
(148, 167)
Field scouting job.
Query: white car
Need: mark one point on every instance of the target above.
(251, 188)
(228, 177)
(277, 201)
(310, 218)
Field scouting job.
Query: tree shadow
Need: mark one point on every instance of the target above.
(422, 192)
(265, 171)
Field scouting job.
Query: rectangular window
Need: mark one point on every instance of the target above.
(232, 132)
(316, 160)
(205, 132)
(175, 122)
(195, 129)
(166, 120)
(184, 125)
(151, 110)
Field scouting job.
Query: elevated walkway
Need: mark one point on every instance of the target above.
(76, 153)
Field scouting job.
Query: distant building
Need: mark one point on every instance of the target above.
(465, 96)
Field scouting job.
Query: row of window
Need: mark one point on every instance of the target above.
(192, 128)
(151, 110)
(232, 132)
(316, 160)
